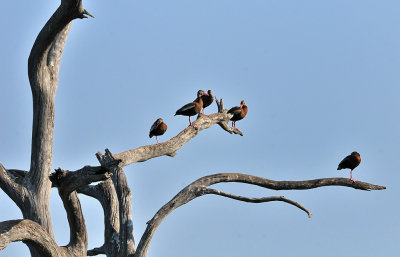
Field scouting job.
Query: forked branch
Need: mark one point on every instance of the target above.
(200, 187)
(31, 233)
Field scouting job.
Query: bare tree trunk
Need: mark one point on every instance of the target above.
(30, 190)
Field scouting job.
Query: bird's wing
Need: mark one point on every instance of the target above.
(345, 161)
(235, 110)
(154, 126)
(186, 107)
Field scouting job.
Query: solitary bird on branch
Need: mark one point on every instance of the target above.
(239, 112)
(192, 108)
(350, 162)
(158, 128)
(207, 99)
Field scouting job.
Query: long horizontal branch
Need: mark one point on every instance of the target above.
(199, 188)
(286, 185)
(31, 233)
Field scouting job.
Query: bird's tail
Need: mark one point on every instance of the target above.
(339, 168)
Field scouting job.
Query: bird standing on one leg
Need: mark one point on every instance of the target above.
(192, 108)
(158, 128)
(239, 112)
(350, 162)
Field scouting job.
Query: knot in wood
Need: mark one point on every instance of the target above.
(57, 177)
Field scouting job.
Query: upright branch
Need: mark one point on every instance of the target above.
(200, 188)
(106, 194)
(125, 235)
(43, 67)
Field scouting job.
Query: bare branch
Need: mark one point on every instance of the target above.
(286, 185)
(170, 147)
(257, 200)
(43, 66)
(31, 233)
(125, 233)
(71, 181)
(67, 182)
(9, 184)
(96, 251)
(199, 188)
(106, 194)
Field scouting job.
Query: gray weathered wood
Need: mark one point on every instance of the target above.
(200, 187)
(30, 190)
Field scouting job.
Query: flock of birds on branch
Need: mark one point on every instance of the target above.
(204, 100)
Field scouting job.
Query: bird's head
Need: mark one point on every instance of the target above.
(200, 93)
(159, 121)
(242, 103)
(355, 153)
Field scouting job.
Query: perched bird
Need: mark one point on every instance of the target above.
(158, 128)
(192, 108)
(350, 162)
(238, 112)
(207, 99)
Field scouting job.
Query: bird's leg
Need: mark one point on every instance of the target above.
(351, 176)
(191, 124)
(157, 140)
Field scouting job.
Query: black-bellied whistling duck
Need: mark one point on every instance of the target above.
(350, 162)
(158, 128)
(207, 99)
(239, 112)
(192, 108)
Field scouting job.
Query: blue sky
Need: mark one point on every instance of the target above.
(320, 79)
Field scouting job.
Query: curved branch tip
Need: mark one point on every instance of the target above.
(85, 12)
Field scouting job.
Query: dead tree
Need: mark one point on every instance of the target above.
(30, 190)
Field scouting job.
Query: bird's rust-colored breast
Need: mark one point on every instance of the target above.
(163, 127)
(238, 112)
(244, 111)
(158, 130)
